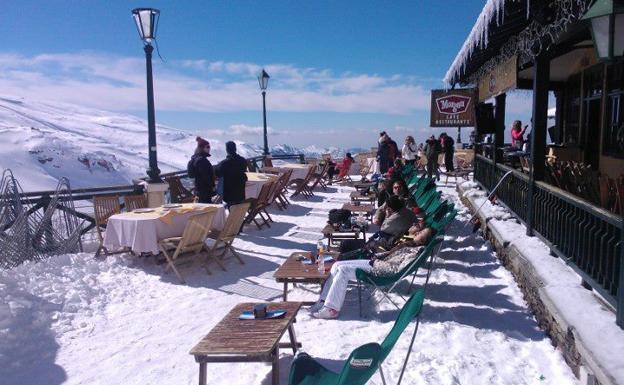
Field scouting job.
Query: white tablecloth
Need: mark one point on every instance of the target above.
(255, 181)
(141, 231)
(300, 171)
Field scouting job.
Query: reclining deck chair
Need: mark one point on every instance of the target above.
(191, 241)
(386, 284)
(364, 361)
(223, 239)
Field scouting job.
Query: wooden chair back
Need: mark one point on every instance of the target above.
(264, 195)
(133, 202)
(195, 232)
(267, 161)
(104, 207)
(251, 166)
(177, 191)
(234, 221)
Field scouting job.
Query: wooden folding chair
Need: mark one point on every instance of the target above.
(267, 161)
(177, 191)
(103, 208)
(301, 185)
(282, 201)
(319, 177)
(257, 206)
(224, 238)
(133, 202)
(191, 241)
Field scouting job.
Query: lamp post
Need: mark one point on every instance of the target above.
(607, 26)
(263, 81)
(146, 20)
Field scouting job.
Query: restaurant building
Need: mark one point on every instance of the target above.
(569, 188)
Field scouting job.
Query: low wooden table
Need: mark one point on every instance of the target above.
(234, 340)
(357, 197)
(334, 235)
(368, 210)
(294, 271)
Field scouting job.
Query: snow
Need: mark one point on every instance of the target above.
(595, 325)
(76, 320)
(42, 141)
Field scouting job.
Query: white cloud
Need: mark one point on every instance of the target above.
(118, 83)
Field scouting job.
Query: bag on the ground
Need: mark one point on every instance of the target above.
(339, 216)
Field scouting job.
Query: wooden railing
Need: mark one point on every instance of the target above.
(589, 238)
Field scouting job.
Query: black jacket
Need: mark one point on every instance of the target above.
(232, 170)
(204, 177)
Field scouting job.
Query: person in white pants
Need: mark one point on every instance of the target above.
(333, 293)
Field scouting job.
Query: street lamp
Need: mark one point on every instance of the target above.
(607, 25)
(263, 81)
(146, 20)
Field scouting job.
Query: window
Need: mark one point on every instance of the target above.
(572, 110)
(613, 135)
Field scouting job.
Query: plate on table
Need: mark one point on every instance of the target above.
(172, 205)
(140, 211)
(249, 315)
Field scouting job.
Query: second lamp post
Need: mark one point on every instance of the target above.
(263, 80)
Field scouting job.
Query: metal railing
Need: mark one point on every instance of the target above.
(589, 238)
(256, 161)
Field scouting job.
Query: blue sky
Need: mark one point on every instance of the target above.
(341, 71)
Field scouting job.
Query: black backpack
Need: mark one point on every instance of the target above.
(339, 216)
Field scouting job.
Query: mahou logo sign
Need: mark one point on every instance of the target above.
(453, 108)
(453, 104)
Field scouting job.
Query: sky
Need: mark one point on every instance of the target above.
(341, 71)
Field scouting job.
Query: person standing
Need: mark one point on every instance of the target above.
(383, 153)
(517, 134)
(409, 150)
(200, 168)
(449, 152)
(432, 150)
(232, 170)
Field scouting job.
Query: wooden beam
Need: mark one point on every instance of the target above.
(499, 121)
(541, 74)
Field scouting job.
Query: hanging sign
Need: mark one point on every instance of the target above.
(501, 79)
(453, 108)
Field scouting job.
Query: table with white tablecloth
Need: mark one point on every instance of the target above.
(140, 230)
(255, 181)
(299, 171)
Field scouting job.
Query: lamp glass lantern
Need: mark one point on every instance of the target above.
(146, 20)
(607, 26)
(263, 80)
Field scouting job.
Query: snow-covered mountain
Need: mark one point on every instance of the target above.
(43, 141)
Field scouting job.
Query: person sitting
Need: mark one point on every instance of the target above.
(342, 168)
(333, 293)
(399, 189)
(394, 172)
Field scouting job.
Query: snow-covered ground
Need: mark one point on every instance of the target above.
(76, 320)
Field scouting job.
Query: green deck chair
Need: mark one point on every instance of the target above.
(387, 283)
(364, 361)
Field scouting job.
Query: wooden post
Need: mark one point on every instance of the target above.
(541, 78)
(499, 121)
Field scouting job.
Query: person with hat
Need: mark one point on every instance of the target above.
(232, 171)
(200, 168)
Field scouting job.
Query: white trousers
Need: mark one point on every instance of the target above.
(341, 273)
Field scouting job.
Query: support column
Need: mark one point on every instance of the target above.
(541, 78)
(499, 125)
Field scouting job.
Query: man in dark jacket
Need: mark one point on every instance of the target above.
(383, 153)
(202, 171)
(232, 170)
(432, 149)
(448, 146)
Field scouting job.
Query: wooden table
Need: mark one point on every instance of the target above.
(357, 197)
(234, 340)
(294, 271)
(368, 210)
(334, 235)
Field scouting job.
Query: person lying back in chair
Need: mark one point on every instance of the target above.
(385, 263)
